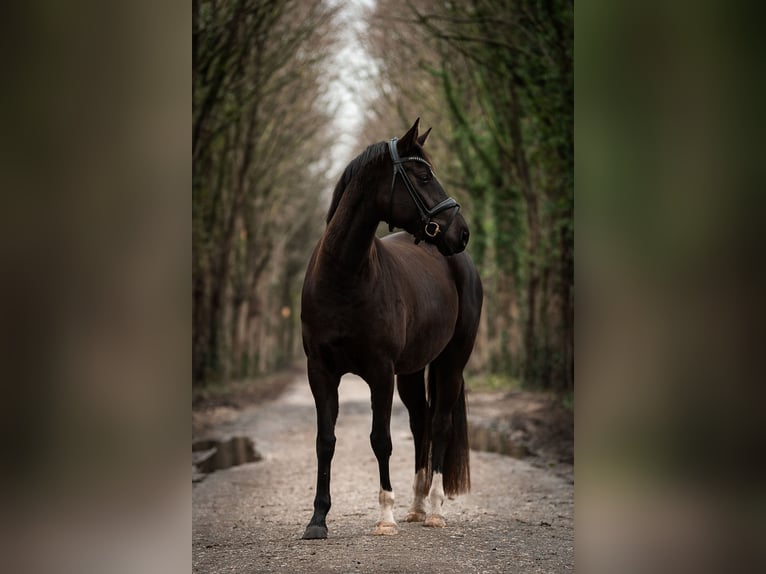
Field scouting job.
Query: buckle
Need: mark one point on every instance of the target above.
(432, 229)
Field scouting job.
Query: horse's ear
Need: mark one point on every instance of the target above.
(409, 138)
(422, 139)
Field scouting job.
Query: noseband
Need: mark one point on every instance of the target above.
(430, 228)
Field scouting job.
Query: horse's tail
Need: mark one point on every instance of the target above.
(457, 467)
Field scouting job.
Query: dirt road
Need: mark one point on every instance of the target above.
(250, 518)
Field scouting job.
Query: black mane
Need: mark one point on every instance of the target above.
(372, 153)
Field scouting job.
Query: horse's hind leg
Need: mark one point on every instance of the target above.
(382, 395)
(324, 387)
(412, 391)
(449, 437)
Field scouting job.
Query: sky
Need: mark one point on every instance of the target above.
(348, 91)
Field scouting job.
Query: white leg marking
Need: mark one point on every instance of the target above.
(417, 512)
(386, 525)
(436, 498)
(386, 500)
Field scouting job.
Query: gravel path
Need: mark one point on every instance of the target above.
(250, 518)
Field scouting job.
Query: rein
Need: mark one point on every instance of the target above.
(430, 228)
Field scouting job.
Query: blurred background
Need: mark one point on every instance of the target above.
(287, 92)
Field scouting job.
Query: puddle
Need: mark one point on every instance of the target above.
(498, 440)
(209, 455)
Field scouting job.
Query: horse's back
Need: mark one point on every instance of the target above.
(431, 275)
(459, 268)
(401, 251)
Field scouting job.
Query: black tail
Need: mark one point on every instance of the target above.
(457, 467)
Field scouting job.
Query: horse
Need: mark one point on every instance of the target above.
(381, 308)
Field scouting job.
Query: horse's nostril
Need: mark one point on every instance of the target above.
(464, 237)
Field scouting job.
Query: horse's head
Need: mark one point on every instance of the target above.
(416, 201)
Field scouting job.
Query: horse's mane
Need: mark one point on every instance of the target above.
(372, 153)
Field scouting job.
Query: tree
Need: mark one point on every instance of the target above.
(501, 72)
(260, 133)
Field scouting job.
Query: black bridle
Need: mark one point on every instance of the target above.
(430, 228)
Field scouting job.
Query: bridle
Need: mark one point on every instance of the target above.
(430, 228)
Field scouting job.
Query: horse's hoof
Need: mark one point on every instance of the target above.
(435, 521)
(415, 516)
(385, 529)
(315, 532)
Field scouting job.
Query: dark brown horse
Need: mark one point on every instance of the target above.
(379, 308)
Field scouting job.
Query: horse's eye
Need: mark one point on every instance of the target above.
(425, 178)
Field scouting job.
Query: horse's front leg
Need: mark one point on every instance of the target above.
(382, 394)
(324, 387)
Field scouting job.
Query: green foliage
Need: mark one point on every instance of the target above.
(493, 382)
(505, 68)
(567, 400)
